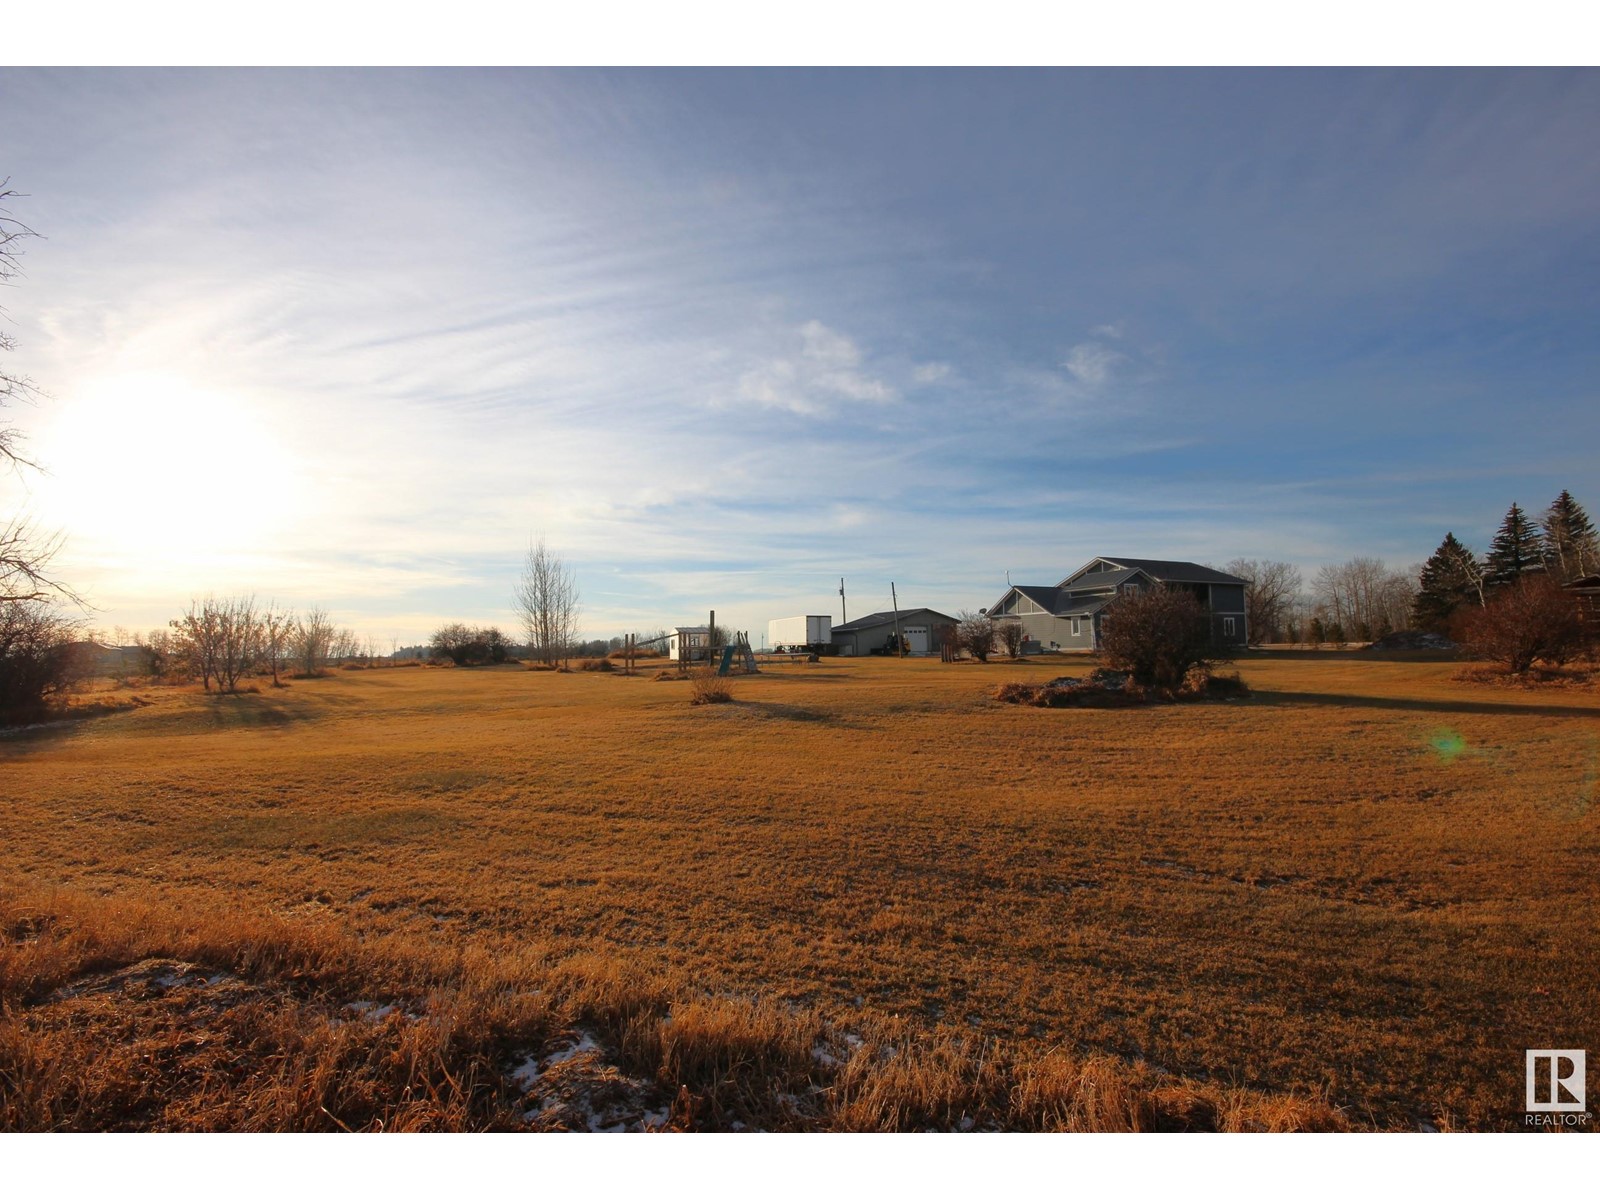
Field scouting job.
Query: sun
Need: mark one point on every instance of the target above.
(161, 469)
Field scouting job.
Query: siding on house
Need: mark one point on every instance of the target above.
(1047, 614)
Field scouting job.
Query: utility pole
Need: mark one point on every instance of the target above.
(844, 617)
(899, 646)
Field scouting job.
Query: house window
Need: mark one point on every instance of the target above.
(1075, 627)
(1227, 626)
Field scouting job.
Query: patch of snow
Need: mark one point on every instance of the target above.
(370, 1009)
(968, 1124)
(527, 1074)
(585, 1045)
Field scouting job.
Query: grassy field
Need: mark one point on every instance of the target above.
(863, 895)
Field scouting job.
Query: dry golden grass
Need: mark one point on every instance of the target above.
(864, 895)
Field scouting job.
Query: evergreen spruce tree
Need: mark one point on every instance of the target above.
(1450, 578)
(1516, 550)
(1571, 548)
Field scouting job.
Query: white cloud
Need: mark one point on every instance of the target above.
(825, 369)
(930, 372)
(1091, 363)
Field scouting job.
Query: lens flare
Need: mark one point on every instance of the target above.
(1447, 744)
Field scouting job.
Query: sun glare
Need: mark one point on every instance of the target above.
(156, 467)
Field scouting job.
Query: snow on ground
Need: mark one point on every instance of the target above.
(575, 1087)
(371, 1009)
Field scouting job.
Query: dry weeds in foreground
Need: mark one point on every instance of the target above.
(1366, 886)
(114, 1017)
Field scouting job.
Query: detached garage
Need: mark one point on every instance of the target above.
(874, 633)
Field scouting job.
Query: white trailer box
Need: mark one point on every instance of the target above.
(800, 631)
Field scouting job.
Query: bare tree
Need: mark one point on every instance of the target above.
(1364, 598)
(196, 637)
(12, 387)
(277, 628)
(546, 601)
(312, 640)
(26, 551)
(345, 646)
(219, 640)
(1269, 596)
(975, 632)
(239, 640)
(1012, 635)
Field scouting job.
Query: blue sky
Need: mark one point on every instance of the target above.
(721, 337)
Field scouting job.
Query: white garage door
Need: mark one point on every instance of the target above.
(917, 639)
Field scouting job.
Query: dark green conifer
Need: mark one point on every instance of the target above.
(1571, 548)
(1517, 550)
(1450, 578)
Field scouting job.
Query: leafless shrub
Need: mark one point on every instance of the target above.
(1157, 636)
(707, 687)
(37, 662)
(1011, 635)
(976, 634)
(470, 645)
(1532, 620)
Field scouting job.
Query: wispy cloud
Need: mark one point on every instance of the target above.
(719, 364)
(1091, 363)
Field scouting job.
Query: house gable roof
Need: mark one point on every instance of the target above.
(1061, 602)
(1162, 570)
(887, 618)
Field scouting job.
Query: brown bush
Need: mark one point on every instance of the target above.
(1156, 636)
(596, 664)
(37, 660)
(707, 687)
(1532, 620)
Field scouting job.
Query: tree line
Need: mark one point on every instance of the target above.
(1513, 605)
(1560, 548)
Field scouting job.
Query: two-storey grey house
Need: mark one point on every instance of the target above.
(1067, 616)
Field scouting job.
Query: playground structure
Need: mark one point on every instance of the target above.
(686, 647)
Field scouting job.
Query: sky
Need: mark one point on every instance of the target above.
(355, 337)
